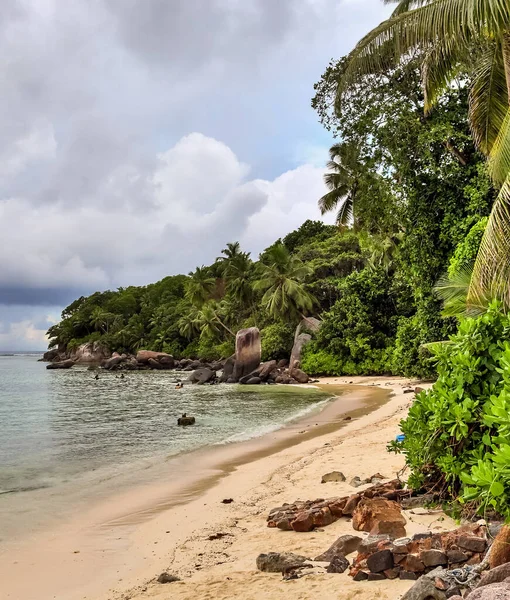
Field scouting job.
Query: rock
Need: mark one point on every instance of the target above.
(282, 363)
(300, 341)
(380, 561)
(248, 352)
(418, 390)
(372, 543)
(344, 545)
(408, 575)
(408, 391)
(265, 369)
(334, 476)
(471, 543)
(339, 564)
(277, 562)
(351, 504)
(495, 575)
(283, 378)
(166, 361)
(413, 564)
(112, 362)
(392, 573)
(227, 501)
(379, 516)
(91, 352)
(254, 381)
(355, 482)
(360, 576)
(167, 578)
(423, 589)
(500, 553)
(50, 355)
(202, 375)
(228, 369)
(453, 592)
(154, 364)
(417, 501)
(456, 556)
(300, 376)
(376, 577)
(143, 356)
(184, 421)
(433, 558)
(496, 591)
(65, 364)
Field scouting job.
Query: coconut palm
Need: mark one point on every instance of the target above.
(209, 321)
(199, 287)
(342, 182)
(232, 250)
(238, 273)
(281, 279)
(455, 36)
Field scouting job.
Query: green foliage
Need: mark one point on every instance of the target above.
(457, 434)
(277, 340)
(320, 362)
(466, 251)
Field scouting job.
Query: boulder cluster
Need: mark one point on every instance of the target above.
(243, 367)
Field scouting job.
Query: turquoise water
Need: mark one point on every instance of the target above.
(63, 426)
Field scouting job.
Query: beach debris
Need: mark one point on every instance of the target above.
(347, 418)
(373, 479)
(185, 420)
(424, 553)
(418, 501)
(344, 545)
(167, 578)
(218, 536)
(355, 482)
(227, 500)
(306, 516)
(334, 476)
(279, 562)
(339, 564)
(408, 391)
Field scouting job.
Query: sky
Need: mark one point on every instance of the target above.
(138, 137)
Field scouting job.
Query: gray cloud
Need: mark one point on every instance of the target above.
(103, 183)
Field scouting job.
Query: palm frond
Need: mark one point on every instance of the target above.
(488, 101)
(499, 159)
(491, 272)
(454, 290)
(440, 65)
(345, 213)
(330, 200)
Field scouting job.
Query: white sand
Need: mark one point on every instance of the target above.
(174, 538)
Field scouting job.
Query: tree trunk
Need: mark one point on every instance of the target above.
(506, 60)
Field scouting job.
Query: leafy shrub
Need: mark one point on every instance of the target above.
(466, 251)
(457, 434)
(277, 341)
(320, 362)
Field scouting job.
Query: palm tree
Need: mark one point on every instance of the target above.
(342, 182)
(199, 287)
(281, 279)
(100, 319)
(209, 322)
(454, 36)
(232, 250)
(188, 324)
(238, 273)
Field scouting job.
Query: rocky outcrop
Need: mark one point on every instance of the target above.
(297, 349)
(306, 516)
(228, 369)
(165, 360)
(65, 364)
(500, 553)
(409, 558)
(91, 353)
(51, 355)
(202, 375)
(345, 544)
(184, 421)
(248, 352)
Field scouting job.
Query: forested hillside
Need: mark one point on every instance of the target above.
(411, 193)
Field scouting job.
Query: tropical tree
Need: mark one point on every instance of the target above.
(342, 182)
(281, 279)
(209, 321)
(238, 273)
(232, 251)
(199, 287)
(101, 319)
(455, 36)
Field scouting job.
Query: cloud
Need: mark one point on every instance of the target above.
(102, 180)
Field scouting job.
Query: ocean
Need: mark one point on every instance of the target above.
(63, 430)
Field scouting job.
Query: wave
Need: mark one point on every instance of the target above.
(250, 434)
(28, 488)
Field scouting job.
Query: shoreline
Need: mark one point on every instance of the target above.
(125, 543)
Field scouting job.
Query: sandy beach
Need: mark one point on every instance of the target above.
(117, 549)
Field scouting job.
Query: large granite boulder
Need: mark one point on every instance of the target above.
(112, 362)
(228, 369)
(91, 353)
(164, 359)
(202, 375)
(51, 355)
(297, 350)
(65, 364)
(248, 352)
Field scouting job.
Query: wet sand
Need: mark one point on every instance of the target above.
(122, 542)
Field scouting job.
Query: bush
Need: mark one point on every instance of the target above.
(320, 362)
(457, 434)
(277, 341)
(466, 251)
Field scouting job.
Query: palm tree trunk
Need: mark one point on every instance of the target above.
(224, 326)
(506, 60)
